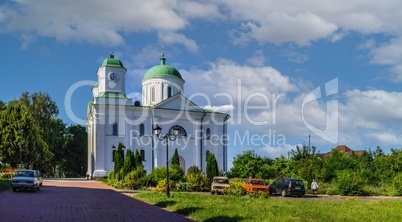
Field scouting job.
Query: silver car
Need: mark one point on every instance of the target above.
(27, 179)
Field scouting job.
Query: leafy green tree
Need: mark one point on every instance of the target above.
(211, 168)
(44, 111)
(21, 139)
(249, 164)
(128, 165)
(118, 159)
(303, 152)
(336, 161)
(75, 153)
(283, 167)
(138, 158)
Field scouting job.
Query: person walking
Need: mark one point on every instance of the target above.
(314, 187)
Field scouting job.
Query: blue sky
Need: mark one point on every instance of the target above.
(268, 58)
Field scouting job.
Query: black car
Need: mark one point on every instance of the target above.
(287, 187)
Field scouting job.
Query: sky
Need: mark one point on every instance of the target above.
(283, 70)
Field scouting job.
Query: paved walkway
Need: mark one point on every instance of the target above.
(78, 200)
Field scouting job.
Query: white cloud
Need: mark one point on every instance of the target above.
(371, 117)
(389, 54)
(101, 21)
(195, 9)
(258, 60)
(302, 28)
(171, 38)
(365, 117)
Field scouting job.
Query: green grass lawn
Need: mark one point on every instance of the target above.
(4, 184)
(229, 208)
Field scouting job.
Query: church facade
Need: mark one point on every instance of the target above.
(112, 118)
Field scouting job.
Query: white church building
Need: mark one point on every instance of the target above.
(113, 118)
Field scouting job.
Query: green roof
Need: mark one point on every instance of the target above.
(162, 70)
(111, 61)
(112, 95)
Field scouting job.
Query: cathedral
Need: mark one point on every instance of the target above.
(114, 119)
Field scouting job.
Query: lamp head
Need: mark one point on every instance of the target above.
(176, 130)
(157, 130)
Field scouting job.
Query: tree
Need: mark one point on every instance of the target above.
(59, 135)
(138, 158)
(250, 164)
(21, 142)
(212, 167)
(303, 152)
(118, 159)
(175, 158)
(74, 161)
(44, 111)
(129, 165)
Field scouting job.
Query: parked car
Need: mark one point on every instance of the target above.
(255, 185)
(288, 187)
(219, 184)
(27, 179)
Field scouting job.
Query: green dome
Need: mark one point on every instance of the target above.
(162, 70)
(111, 61)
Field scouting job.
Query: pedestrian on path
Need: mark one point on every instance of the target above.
(314, 187)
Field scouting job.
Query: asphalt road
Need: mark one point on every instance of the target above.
(78, 200)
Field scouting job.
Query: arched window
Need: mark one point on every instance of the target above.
(208, 133)
(206, 155)
(115, 129)
(142, 154)
(182, 131)
(142, 129)
(182, 163)
(169, 92)
(153, 94)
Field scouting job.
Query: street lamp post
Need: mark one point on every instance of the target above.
(167, 137)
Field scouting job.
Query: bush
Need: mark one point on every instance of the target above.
(185, 186)
(161, 187)
(198, 181)
(159, 173)
(397, 184)
(135, 179)
(236, 189)
(350, 183)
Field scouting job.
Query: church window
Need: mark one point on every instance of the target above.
(182, 131)
(142, 154)
(153, 94)
(169, 92)
(115, 129)
(142, 129)
(208, 133)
